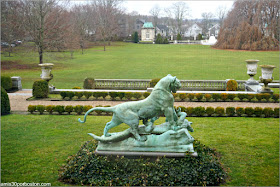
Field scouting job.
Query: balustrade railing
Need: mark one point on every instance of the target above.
(143, 84)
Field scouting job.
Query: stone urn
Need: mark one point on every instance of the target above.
(46, 71)
(252, 66)
(266, 77)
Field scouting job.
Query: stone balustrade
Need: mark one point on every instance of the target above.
(143, 84)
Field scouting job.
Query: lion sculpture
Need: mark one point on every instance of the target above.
(160, 101)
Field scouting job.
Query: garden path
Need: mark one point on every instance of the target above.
(19, 103)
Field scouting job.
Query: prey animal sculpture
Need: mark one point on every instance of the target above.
(160, 101)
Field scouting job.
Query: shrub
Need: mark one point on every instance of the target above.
(69, 109)
(6, 82)
(224, 96)
(183, 109)
(240, 111)
(103, 94)
(259, 97)
(231, 96)
(98, 111)
(189, 111)
(63, 94)
(70, 95)
(210, 111)
(135, 37)
(199, 96)
(59, 108)
(266, 96)
(219, 111)
(76, 87)
(199, 111)
(128, 95)
(216, 96)
(50, 109)
(190, 96)
(79, 94)
(250, 97)
(113, 95)
(268, 112)
(182, 96)
(208, 97)
(40, 108)
(31, 108)
(137, 95)
(276, 112)
(87, 94)
(79, 109)
(231, 85)
(175, 95)
(179, 37)
(249, 111)
(88, 169)
(230, 111)
(241, 97)
(86, 108)
(159, 39)
(40, 89)
(275, 97)
(5, 102)
(146, 94)
(153, 82)
(258, 111)
(121, 95)
(95, 95)
(89, 83)
(107, 113)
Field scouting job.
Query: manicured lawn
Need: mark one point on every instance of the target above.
(33, 147)
(140, 61)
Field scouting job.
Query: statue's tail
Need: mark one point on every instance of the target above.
(105, 109)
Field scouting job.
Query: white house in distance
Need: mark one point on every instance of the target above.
(193, 31)
(214, 31)
(162, 30)
(148, 32)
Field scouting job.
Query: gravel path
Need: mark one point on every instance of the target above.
(18, 102)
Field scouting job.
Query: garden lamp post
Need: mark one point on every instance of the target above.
(266, 78)
(252, 66)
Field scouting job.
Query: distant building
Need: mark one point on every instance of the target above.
(138, 25)
(148, 32)
(193, 31)
(163, 30)
(214, 30)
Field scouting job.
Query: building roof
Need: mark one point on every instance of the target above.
(162, 27)
(148, 25)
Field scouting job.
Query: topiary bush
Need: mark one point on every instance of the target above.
(113, 95)
(87, 168)
(122, 94)
(146, 94)
(79, 95)
(199, 111)
(189, 111)
(98, 112)
(208, 97)
(241, 97)
(230, 111)
(210, 111)
(190, 96)
(79, 109)
(86, 108)
(249, 111)
(259, 97)
(276, 112)
(128, 95)
(40, 109)
(137, 95)
(231, 96)
(220, 111)
(31, 108)
(5, 102)
(87, 94)
(250, 97)
(63, 94)
(89, 83)
(268, 112)
(199, 96)
(275, 97)
(182, 96)
(175, 95)
(59, 109)
(231, 85)
(6, 83)
(50, 109)
(216, 96)
(69, 109)
(153, 82)
(224, 96)
(70, 95)
(40, 89)
(240, 111)
(258, 111)
(267, 96)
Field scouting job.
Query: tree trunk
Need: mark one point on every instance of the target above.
(41, 54)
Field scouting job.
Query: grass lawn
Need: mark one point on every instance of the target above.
(33, 147)
(137, 61)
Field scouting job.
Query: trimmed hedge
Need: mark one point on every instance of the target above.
(231, 85)
(40, 89)
(87, 168)
(6, 83)
(5, 102)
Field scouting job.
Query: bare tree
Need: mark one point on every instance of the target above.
(221, 13)
(177, 12)
(155, 11)
(206, 21)
(11, 22)
(43, 22)
(107, 15)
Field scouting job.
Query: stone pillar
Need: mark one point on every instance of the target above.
(16, 81)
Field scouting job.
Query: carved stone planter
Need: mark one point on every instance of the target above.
(46, 71)
(252, 66)
(266, 78)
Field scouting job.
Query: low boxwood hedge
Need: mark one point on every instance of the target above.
(87, 168)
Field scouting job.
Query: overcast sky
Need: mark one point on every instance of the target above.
(197, 7)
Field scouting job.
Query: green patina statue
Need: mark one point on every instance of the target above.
(171, 136)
